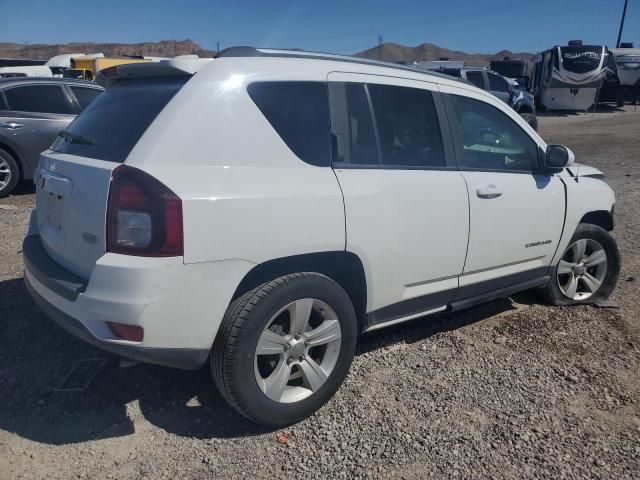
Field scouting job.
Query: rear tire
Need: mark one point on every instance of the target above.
(245, 375)
(9, 173)
(531, 119)
(592, 260)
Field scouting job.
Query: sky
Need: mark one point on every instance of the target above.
(331, 26)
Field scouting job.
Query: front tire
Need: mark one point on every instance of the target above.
(284, 348)
(588, 269)
(531, 119)
(9, 173)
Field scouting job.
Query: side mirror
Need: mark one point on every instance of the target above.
(557, 157)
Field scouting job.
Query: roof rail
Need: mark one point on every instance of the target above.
(245, 51)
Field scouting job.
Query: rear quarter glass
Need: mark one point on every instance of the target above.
(114, 122)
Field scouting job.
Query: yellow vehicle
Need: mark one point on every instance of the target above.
(86, 68)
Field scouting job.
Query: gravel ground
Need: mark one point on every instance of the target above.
(512, 389)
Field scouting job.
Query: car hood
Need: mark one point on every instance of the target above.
(580, 170)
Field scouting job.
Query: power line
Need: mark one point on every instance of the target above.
(624, 13)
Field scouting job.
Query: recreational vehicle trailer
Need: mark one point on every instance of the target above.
(569, 77)
(627, 61)
(627, 65)
(60, 63)
(25, 71)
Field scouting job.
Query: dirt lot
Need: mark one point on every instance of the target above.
(501, 391)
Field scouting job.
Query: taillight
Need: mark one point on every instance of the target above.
(144, 217)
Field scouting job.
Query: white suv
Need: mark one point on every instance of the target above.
(264, 208)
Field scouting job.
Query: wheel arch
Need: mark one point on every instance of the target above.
(345, 268)
(602, 218)
(524, 108)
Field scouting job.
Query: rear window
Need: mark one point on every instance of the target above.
(476, 78)
(113, 123)
(299, 113)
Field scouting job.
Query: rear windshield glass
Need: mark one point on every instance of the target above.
(112, 124)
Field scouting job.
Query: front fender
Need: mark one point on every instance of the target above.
(583, 195)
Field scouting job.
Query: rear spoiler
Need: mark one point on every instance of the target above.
(174, 67)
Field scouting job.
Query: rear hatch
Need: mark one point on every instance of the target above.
(72, 183)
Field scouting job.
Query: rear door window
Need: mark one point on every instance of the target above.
(407, 125)
(476, 78)
(39, 99)
(363, 148)
(85, 95)
(299, 113)
(113, 123)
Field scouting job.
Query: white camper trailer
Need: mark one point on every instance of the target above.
(569, 77)
(60, 63)
(627, 61)
(25, 71)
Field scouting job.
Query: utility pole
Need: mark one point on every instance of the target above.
(380, 47)
(624, 13)
(217, 47)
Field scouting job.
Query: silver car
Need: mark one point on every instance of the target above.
(32, 113)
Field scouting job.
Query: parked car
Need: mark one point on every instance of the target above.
(505, 89)
(32, 113)
(260, 210)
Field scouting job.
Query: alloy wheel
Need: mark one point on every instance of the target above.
(297, 350)
(582, 269)
(5, 173)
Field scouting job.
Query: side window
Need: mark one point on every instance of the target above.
(476, 78)
(490, 140)
(299, 113)
(362, 138)
(39, 99)
(3, 102)
(497, 84)
(407, 125)
(85, 95)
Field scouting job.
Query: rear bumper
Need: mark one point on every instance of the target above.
(179, 306)
(171, 357)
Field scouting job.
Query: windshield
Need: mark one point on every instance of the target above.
(509, 69)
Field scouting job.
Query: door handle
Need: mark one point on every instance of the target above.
(488, 191)
(12, 125)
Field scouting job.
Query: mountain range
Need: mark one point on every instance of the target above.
(392, 52)
(164, 48)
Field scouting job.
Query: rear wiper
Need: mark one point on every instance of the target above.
(75, 138)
